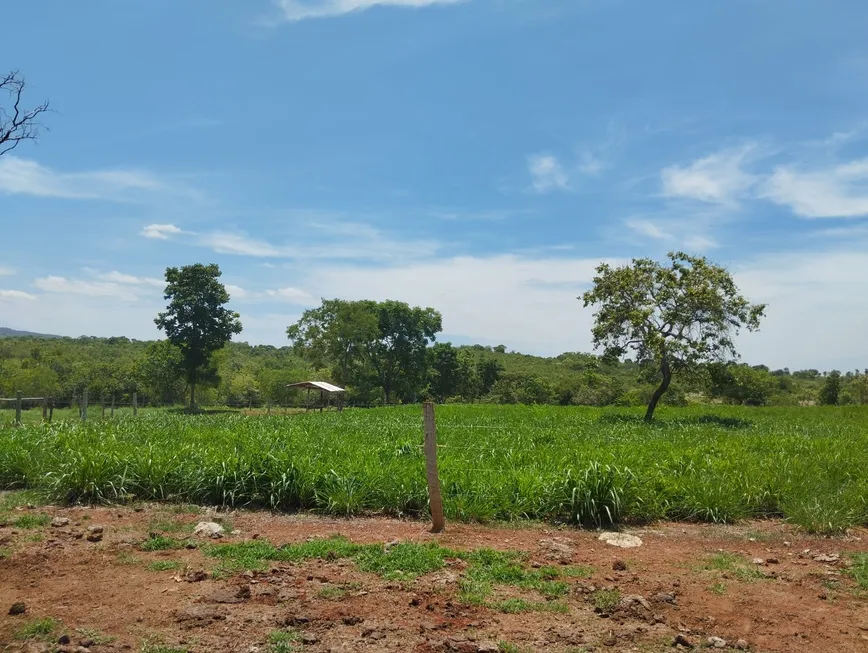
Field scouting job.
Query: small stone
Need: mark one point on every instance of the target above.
(86, 643)
(773, 561)
(619, 565)
(759, 561)
(63, 640)
(94, 537)
(681, 640)
(742, 645)
(370, 633)
(17, 608)
(309, 638)
(823, 557)
(352, 620)
(196, 576)
(717, 642)
(621, 540)
(487, 646)
(95, 529)
(664, 597)
(60, 522)
(208, 529)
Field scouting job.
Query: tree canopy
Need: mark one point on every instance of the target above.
(196, 320)
(673, 317)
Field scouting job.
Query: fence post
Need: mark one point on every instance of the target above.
(437, 519)
(84, 405)
(113, 406)
(18, 396)
(50, 409)
(45, 408)
(135, 404)
(102, 406)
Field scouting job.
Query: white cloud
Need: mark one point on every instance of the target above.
(113, 284)
(160, 231)
(119, 277)
(295, 10)
(226, 243)
(715, 179)
(680, 233)
(6, 272)
(547, 174)
(236, 292)
(22, 176)
(836, 192)
(292, 295)
(15, 295)
(591, 165)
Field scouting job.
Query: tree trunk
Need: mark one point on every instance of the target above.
(661, 390)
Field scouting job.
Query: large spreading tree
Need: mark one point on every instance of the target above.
(674, 317)
(370, 344)
(196, 320)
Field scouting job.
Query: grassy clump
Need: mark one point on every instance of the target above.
(606, 600)
(859, 570)
(158, 542)
(579, 465)
(37, 629)
(164, 565)
(735, 566)
(283, 641)
(32, 521)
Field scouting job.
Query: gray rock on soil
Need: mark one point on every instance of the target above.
(621, 540)
(716, 642)
(208, 529)
(60, 522)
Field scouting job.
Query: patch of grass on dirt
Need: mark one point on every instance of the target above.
(403, 561)
(21, 498)
(125, 558)
(32, 521)
(164, 565)
(158, 542)
(331, 548)
(506, 647)
(718, 588)
(338, 592)
(160, 648)
(606, 600)
(519, 606)
(164, 525)
(4, 553)
(37, 629)
(859, 570)
(734, 565)
(282, 641)
(98, 638)
(489, 568)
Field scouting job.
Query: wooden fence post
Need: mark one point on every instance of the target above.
(113, 405)
(437, 519)
(44, 408)
(102, 406)
(18, 396)
(135, 404)
(50, 409)
(84, 405)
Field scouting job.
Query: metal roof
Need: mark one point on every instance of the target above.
(316, 385)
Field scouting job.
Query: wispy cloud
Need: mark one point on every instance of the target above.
(715, 179)
(839, 191)
(591, 165)
(547, 174)
(292, 295)
(114, 284)
(160, 231)
(6, 272)
(128, 279)
(25, 177)
(679, 233)
(296, 10)
(16, 295)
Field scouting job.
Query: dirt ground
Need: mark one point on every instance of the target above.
(760, 586)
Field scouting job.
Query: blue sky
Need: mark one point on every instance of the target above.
(478, 156)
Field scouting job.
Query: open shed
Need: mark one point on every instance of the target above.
(327, 392)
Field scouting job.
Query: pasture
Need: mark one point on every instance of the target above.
(584, 466)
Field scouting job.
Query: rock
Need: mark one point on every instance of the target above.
(681, 640)
(742, 645)
(773, 561)
(827, 557)
(60, 522)
(621, 540)
(196, 576)
(716, 642)
(95, 529)
(86, 643)
(352, 620)
(759, 561)
(63, 640)
(226, 596)
(199, 613)
(17, 608)
(487, 646)
(295, 621)
(619, 565)
(634, 599)
(664, 597)
(370, 633)
(94, 537)
(309, 638)
(208, 529)
(557, 549)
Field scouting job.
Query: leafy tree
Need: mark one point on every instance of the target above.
(831, 389)
(742, 384)
(446, 371)
(159, 372)
(196, 320)
(674, 317)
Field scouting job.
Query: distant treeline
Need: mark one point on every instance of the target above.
(245, 375)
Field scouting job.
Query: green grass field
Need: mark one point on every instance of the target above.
(583, 466)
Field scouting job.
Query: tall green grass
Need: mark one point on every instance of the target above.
(594, 467)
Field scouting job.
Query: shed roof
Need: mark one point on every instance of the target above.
(316, 385)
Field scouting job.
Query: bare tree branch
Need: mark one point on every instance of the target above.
(21, 124)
